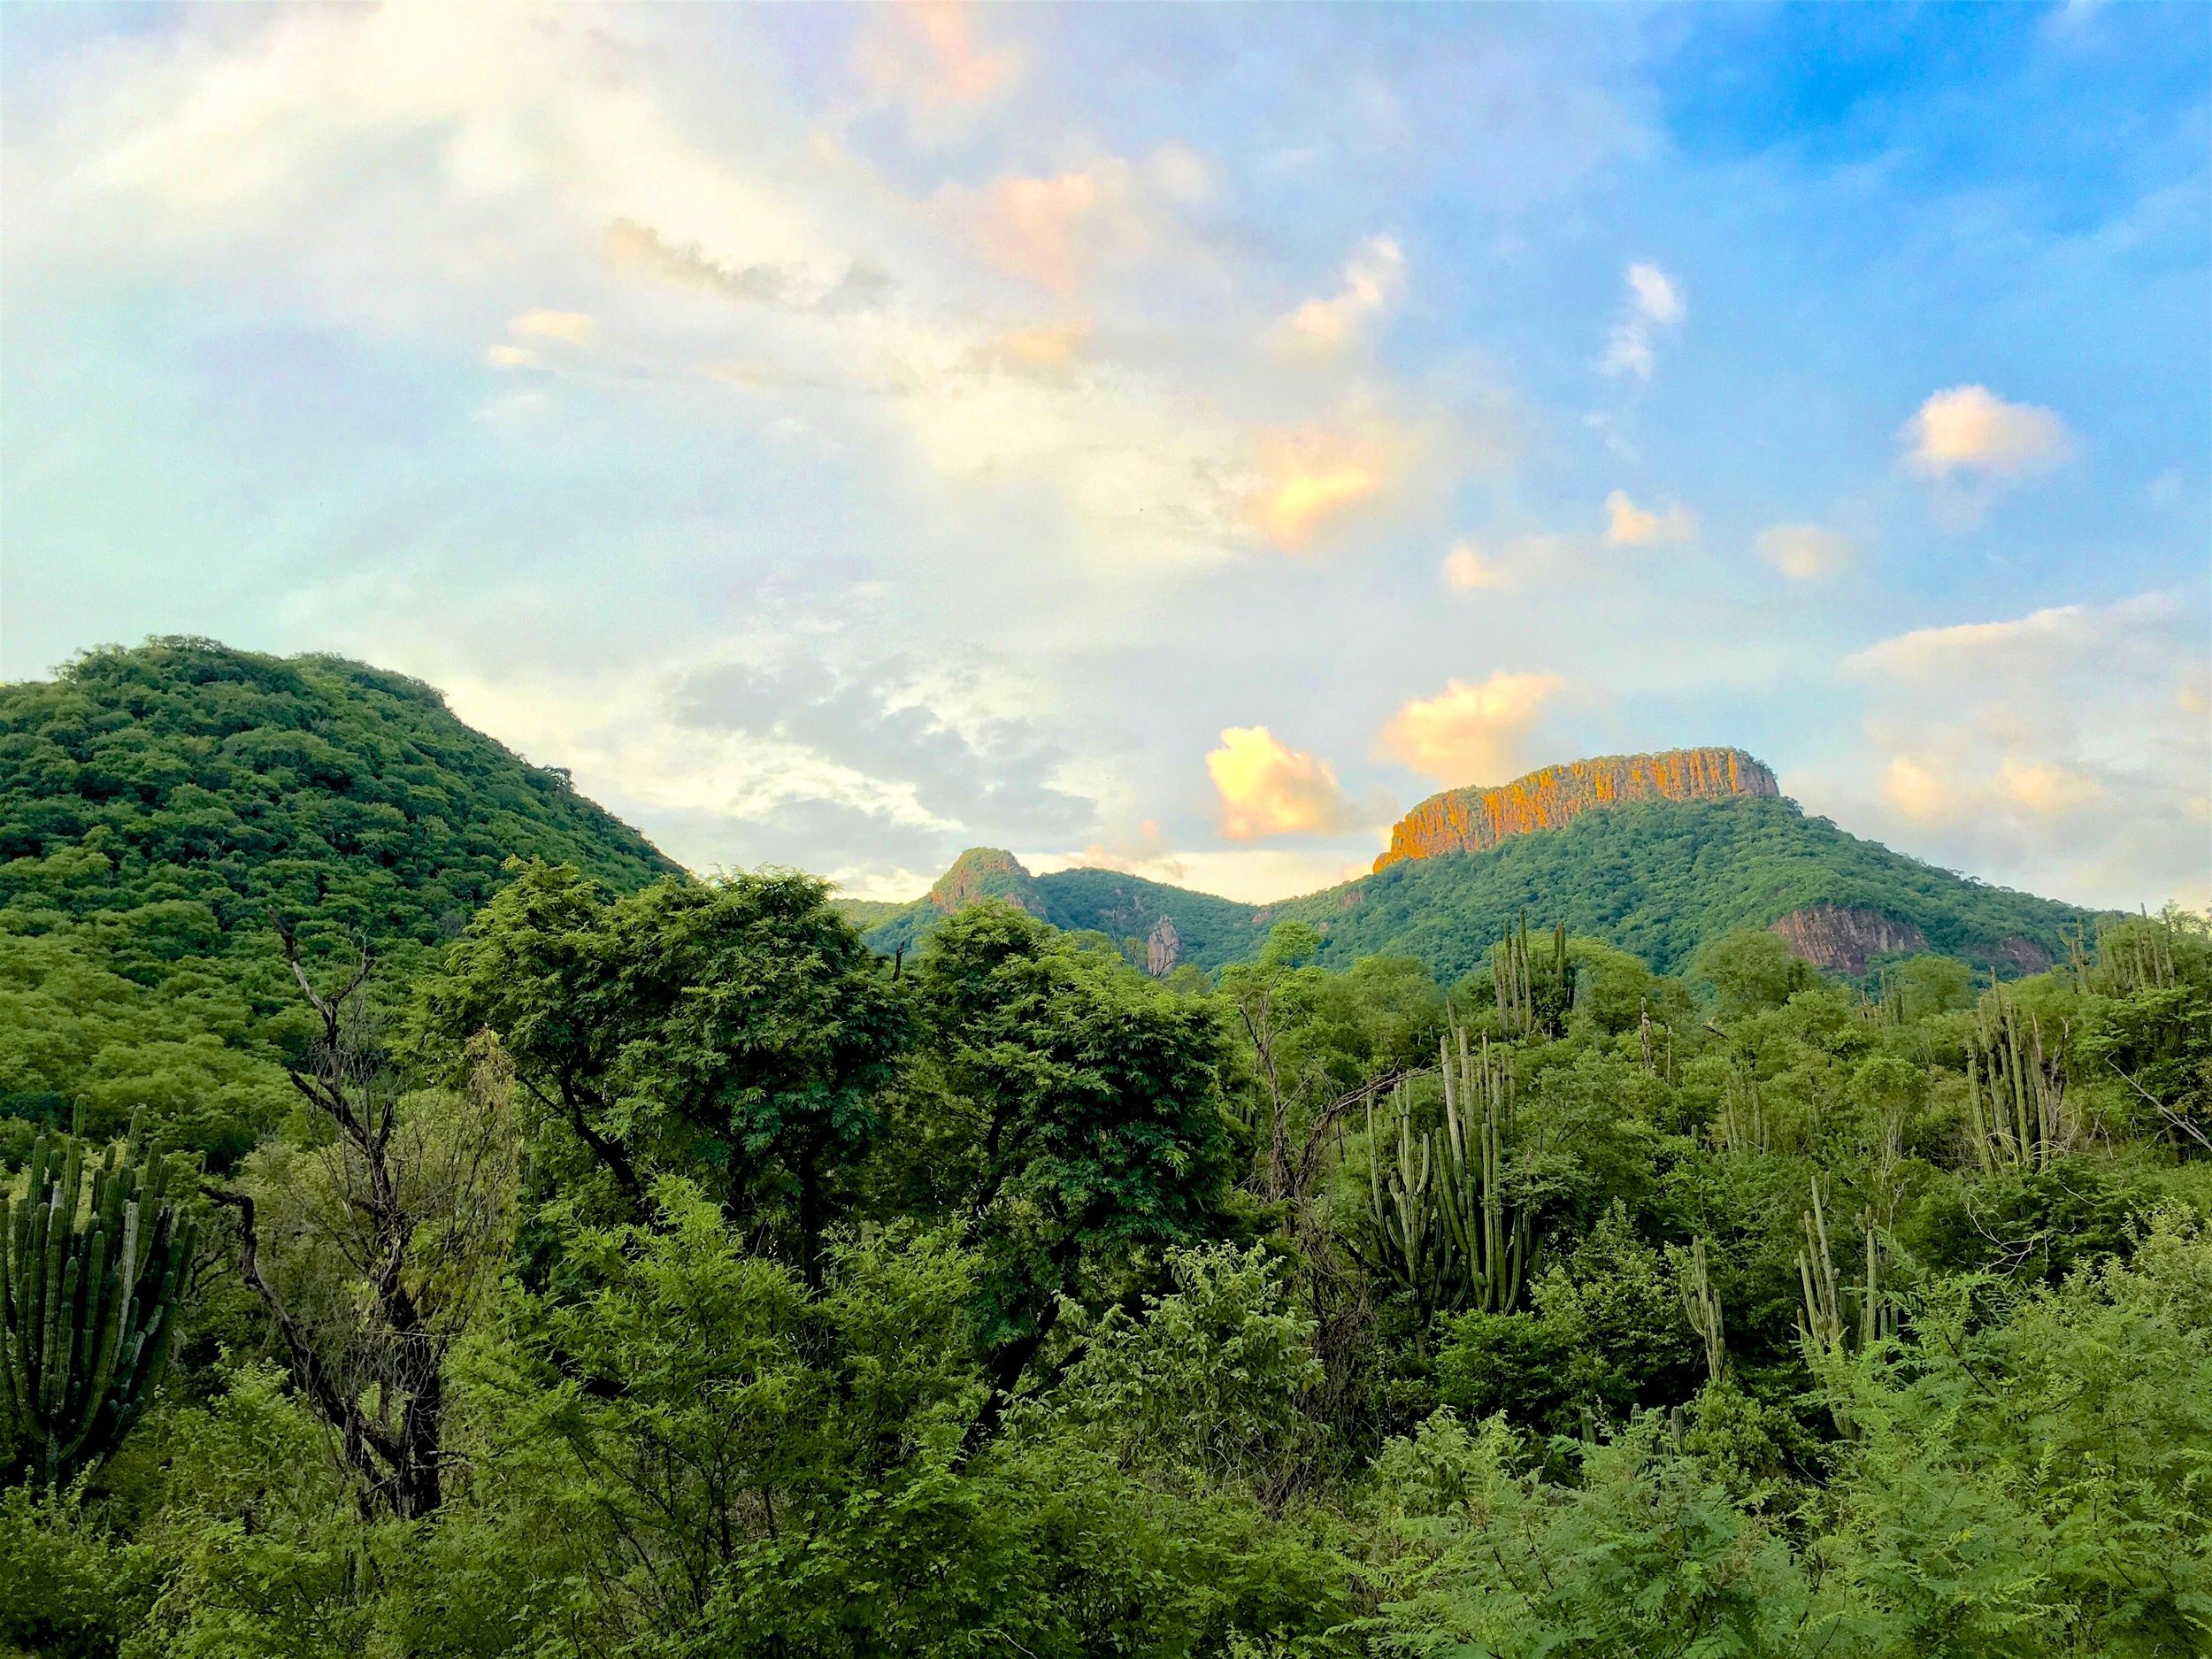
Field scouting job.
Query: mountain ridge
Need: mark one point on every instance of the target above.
(1476, 818)
(1656, 877)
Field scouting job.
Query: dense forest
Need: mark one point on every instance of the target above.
(456, 1232)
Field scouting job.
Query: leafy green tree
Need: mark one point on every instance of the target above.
(754, 1469)
(1089, 1099)
(1205, 1389)
(735, 1031)
(1750, 969)
(2038, 1485)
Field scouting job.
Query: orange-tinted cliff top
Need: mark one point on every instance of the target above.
(1470, 820)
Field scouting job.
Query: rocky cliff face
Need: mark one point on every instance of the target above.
(1469, 820)
(1843, 940)
(1162, 949)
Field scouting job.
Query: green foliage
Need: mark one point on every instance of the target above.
(2043, 1484)
(1204, 1391)
(1080, 1105)
(1646, 1554)
(63, 1583)
(183, 774)
(160, 805)
(1749, 971)
(734, 1029)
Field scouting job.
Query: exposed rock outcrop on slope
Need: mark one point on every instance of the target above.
(1471, 820)
(1843, 939)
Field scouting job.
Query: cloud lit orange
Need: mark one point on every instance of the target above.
(1470, 734)
(1269, 788)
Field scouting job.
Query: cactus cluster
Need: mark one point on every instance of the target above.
(1444, 1229)
(88, 1294)
(2017, 1092)
(1534, 994)
(1743, 1126)
(1823, 1332)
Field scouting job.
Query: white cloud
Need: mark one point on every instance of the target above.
(1310, 479)
(1970, 429)
(1470, 734)
(1804, 552)
(1655, 297)
(927, 53)
(2067, 751)
(1654, 305)
(1627, 524)
(457, 157)
(1268, 789)
(1372, 281)
(1467, 569)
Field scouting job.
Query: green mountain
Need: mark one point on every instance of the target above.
(159, 806)
(1656, 877)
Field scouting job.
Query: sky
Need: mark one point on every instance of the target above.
(1172, 439)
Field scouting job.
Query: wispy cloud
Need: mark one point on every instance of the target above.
(2071, 744)
(928, 53)
(570, 328)
(1653, 305)
(1805, 552)
(1468, 569)
(1627, 524)
(1372, 281)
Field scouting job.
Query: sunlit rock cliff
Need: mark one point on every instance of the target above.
(1470, 820)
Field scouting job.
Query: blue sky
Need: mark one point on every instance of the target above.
(1175, 438)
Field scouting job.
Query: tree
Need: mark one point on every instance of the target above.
(393, 1217)
(735, 1032)
(1091, 1099)
(1750, 969)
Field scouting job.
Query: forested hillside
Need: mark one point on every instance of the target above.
(1656, 877)
(161, 808)
(646, 1267)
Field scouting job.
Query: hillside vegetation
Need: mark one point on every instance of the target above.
(1658, 878)
(643, 1267)
(161, 808)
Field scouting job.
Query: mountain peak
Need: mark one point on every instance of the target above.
(985, 873)
(1471, 819)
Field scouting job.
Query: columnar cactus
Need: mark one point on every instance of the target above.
(1700, 1304)
(1533, 995)
(2017, 1093)
(1822, 1332)
(1444, 1228)
(88, 1296)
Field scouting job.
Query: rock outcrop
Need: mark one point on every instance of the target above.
(1470, 820)
(1839, 939)
(1162, 949)
(2023, 956)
